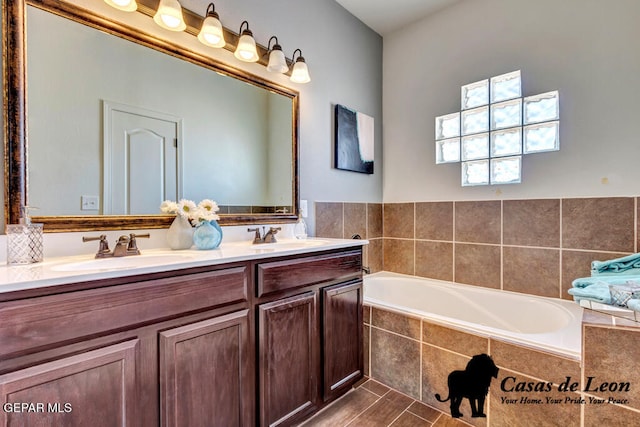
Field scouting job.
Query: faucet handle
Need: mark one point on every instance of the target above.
(132, 248)
(274, 230)
(256, 238)
(270, 236)
(103, 250)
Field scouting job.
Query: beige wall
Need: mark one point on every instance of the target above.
(585, 49)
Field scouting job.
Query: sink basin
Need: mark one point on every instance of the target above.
(121, 262)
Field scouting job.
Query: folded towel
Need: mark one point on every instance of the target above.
(614, 279)
(598, 292)
(618, 265)
(634, 304)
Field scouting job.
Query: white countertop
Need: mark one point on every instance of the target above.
(69, 269)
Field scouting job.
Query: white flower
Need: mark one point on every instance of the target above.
(169, 207)
(205, 211)
(202, 214)
(186, 208)
(209, 205)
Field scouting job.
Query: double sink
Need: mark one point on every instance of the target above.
(161, 257)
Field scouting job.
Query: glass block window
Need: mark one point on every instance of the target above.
(495, 127)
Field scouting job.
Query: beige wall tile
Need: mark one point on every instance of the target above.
(453, 339)
(374, 220)
(539, 364)
(395, 322)
(611, 355)
(477, 222)
(374, 255)
(366, 340)
(398, 255)
(576, 264)
(437, 364)
(434, 221)
(477, 265)
(355, 220)
(434, 260)
(605, 224)
(329, 219)
(532, 271)
(395, 361)
(609, 415)
(398, 219)
(531, 222)
(519, 414)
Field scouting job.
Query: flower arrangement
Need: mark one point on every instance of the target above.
(204, 211)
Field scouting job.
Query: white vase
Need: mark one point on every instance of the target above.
(180, 234)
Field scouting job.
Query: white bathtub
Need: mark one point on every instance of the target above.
(549, 324)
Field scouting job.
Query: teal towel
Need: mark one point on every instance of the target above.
(614, 279)
(634, 304)
(618, 265)
(598, 292)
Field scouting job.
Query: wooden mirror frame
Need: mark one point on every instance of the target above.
(15, 117)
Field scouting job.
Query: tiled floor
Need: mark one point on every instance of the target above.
(372, 404)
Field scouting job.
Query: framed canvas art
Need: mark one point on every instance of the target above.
(354, 140)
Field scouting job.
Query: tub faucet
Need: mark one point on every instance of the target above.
(366, 270)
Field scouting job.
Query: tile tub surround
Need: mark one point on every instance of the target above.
(415, 356)
(536, 246)
(343, 220)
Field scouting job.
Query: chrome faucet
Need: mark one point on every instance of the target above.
(268, 237)
(125, 246)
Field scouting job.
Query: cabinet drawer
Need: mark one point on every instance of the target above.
(39, 323)
(294, 273)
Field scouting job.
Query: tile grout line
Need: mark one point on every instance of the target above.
(453, 241)
(415, 245)
(421, 357)
(635, 226)
(502, 245)
(560, 245)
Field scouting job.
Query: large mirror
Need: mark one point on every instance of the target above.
(119, 121)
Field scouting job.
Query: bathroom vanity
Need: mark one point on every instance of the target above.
(245, 337)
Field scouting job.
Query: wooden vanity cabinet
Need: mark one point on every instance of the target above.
(173, 350)
(309, 333)
(206, 373)
(263, 342)
(341, 337)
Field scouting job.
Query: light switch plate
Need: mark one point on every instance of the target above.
(89, 203)
(304, 208)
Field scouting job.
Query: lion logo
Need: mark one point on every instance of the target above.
(472, 383)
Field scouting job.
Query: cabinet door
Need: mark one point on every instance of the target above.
(288, 358)
(96, 388)
(206, 373)
(342, 337)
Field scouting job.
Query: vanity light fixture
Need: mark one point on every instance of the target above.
(246, 49)
(169, 15)
(277, 61)
(300, 72)
(211, 33)
(124, 5)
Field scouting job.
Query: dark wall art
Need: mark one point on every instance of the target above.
(354, 140)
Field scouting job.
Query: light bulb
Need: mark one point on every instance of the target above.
(169, 15)
(124, 5)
